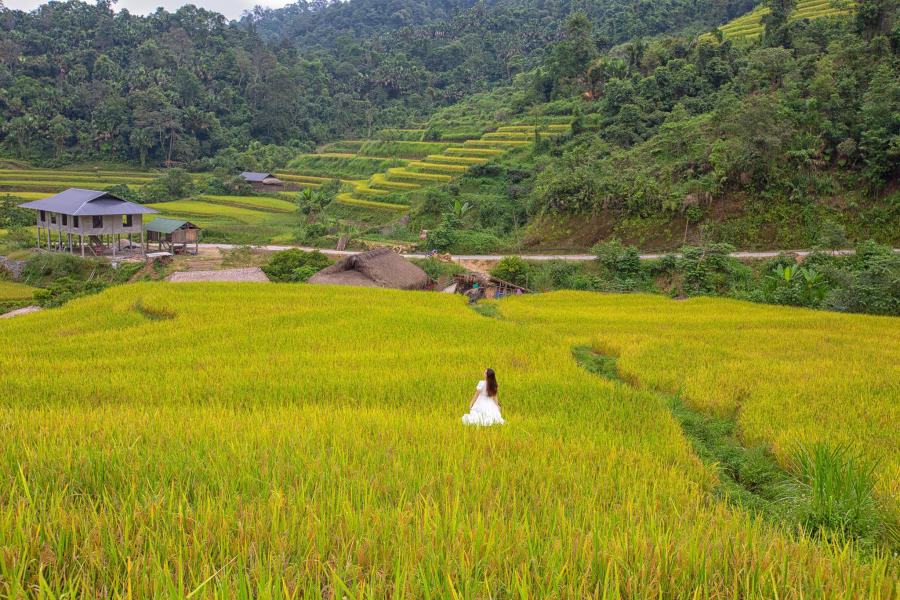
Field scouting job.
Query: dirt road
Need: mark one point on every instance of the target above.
(535, 257)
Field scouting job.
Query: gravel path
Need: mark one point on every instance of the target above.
(248, 274)
(21, 311)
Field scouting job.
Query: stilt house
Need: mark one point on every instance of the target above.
(88, 220)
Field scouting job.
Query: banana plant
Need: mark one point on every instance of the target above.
(814, 285)
(786, 273)
(460, 209)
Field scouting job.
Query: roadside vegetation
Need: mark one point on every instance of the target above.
(867, 281)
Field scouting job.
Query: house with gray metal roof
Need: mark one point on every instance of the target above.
(98, 218)
(264, 182)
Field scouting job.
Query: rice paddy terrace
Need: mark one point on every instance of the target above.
(383, 174)
(750, 26)
(312, 447)
(381, 180)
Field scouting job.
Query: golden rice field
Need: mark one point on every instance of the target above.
(10, 291)
(167, 440)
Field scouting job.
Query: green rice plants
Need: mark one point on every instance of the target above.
(456, 160)
(507, 135)
(341, 166)
(834, 492)
(478, 152)
(401, 149)
(496, 143)
(402, 174)
(343, 146)
(365, 190)
(349, 198)
(253, 202)
(379, 180)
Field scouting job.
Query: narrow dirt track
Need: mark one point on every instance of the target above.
(537, 257)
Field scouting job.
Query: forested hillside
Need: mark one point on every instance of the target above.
(85, 82)
(512, 23)
(640, 121)
(677, 140)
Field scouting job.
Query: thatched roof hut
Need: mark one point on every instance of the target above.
(377, 268)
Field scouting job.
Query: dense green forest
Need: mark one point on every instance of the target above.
(85, 82)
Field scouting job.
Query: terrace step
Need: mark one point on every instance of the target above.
(456, 160)
(402, 174)
(477, 152)
(429, 167)
(506, 135)
(365, 190)
(348, 198)
(495, 143)
(380, 181)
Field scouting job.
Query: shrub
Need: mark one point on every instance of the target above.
(436, 269)
(869, 282)
(295, 265)
(53, 265)
(618, 261)
(11, 216)
(173, 184)
(312, 232)
(512, 269)
(124, 192)
(710, 269)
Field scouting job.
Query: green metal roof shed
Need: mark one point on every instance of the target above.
(165, 225)
(172, 233)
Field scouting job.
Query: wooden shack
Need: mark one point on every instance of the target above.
(98, 218)
(488, 286)
(172, 235)
(263, 182)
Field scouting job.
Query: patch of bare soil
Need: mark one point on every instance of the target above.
(478, 266)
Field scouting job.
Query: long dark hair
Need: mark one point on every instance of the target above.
(490, 389)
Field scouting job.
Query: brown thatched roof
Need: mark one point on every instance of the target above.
(377, 268)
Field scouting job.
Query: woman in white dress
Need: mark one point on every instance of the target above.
(485, 407)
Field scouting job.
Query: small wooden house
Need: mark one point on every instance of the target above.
(98, 218)
(263, 182)
(172, 235)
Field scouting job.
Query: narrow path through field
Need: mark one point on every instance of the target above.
(20, 311)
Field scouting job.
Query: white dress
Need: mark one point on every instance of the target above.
(485, 411)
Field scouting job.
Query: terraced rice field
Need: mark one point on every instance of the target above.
(378, 175)
(312, 447)
(750, 26)
(378, 181)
